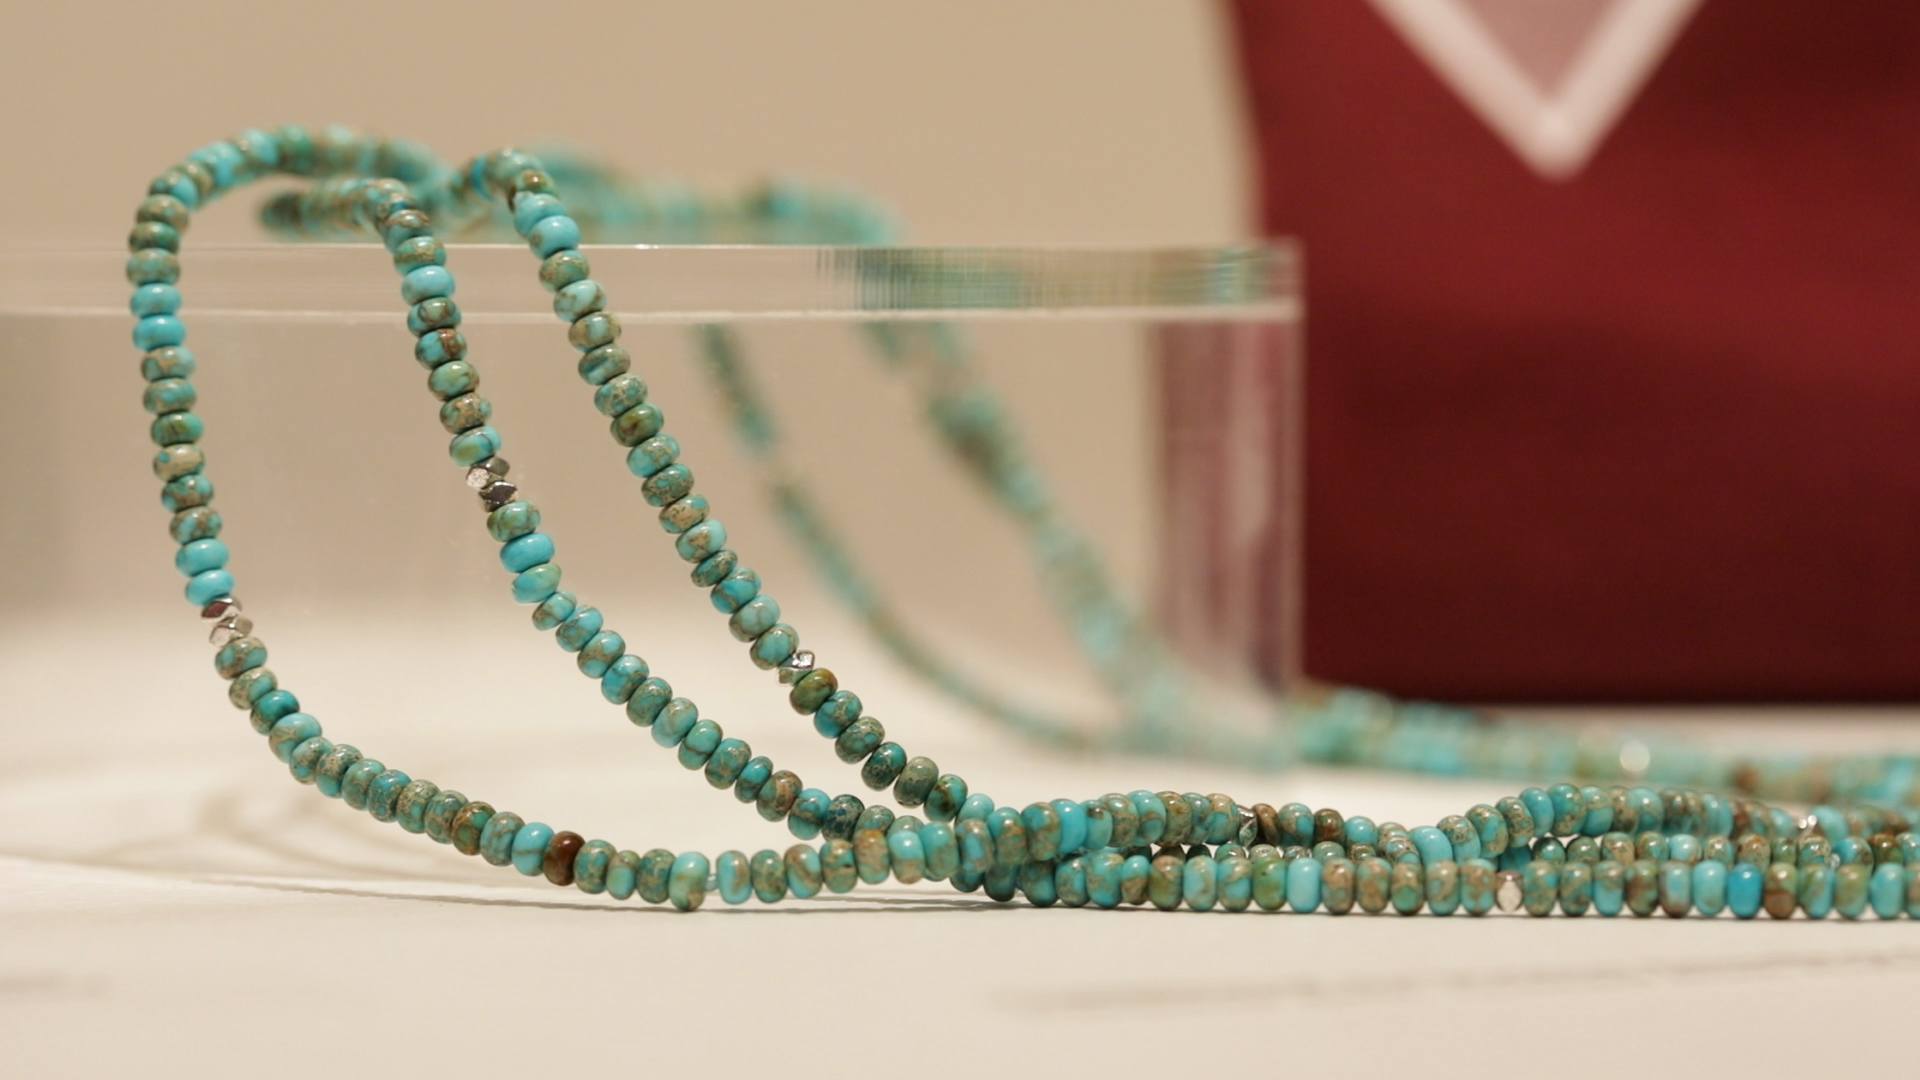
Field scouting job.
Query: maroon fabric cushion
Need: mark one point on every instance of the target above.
(1648, 431)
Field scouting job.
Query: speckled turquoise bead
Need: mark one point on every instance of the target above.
(186, 492)
(152, 265)
(1073, 826)
(599, 366)
(289, 732)
(1408, 890)
(1009, 833)
(195, 523)
(939, 850)
(906, 855)
(674, 722)
(804, 874)
(1539, 806)
(1816, 890)
(1709, 887)
(437, 347)
(1372, 884)
(470, 448)
(872, 855)
(651, 696)
(331, 773)
(774, 647)
(838, 870)
(356, 785)
(1038, 883)
(552, 235)
(671, 484)
(864, 739)
(622, 678)
(1101, 871)
(1609, 887)
(592, 865)
(424, 282)
(240, 654)
(1432, 844)
(777, 795)
(1042, 824)
(687, 880)
(725, 763)
(1269, 876)
(1179, 828)
(578, 629)
(1850, 890)
(1166, 881)
(734, 591)
(1070, 883)
(536, 585)
(619, 394)
(1461, 835)
(1683, 847)
(1303, 884)
(176, 428)
(383, 793)
(270, 707)
(468, 826)
(410, 809)
(1643, 880)
(199, 556)
(753, 776)
(1361, 830)
(1575, 887)
(653, 455)
(513, 520)
(1478, 883)
(304, 765)
(496, 838)
(597, 656)
(441, 810)
(1152, 813)
(754, 618)
(733, 877)
(835, 714)
(1233, 882)
(1443, 887)
(650, 881)
(808, 813)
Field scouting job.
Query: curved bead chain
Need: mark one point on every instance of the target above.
(898, 849)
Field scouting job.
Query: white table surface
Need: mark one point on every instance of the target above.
(172, 904)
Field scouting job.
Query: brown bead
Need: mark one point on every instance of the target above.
(1267, 820)
(1329, 825)
(558, 864)
(1779, 891)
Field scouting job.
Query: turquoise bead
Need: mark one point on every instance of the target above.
(775, 647)
(158, 331)
(579, 298)
(289, 732)
(976, 847)
(754, 618)
(1850, 890)
(331, 773)
(1039, 883)
(1233, 882)
(622, 678)
(1152, 811)
(702, 739)
(1009, 832)
(470, 448)
(358, 780)
(1362, 830)
(623, 874)
(526, 552)
(383, 794)
(597, 656)
(1070, 883)
(808, 812)
(906, 855)
(536, 585)
(453, 379)
(532, 208)
(804, 873)
(1609, 887)
(687, 880)
(701, 542)
(839, 870)
(305, 763)
(239, 655)
(1073, 826)
(591, 864)
(551, 235)
(871, 855)
(1432, 844)
(1709, 887)
(733, 877)
(650, 882)
(1443, 887)
(653, 455)
(1303, 884)
(599, 366)
(530, 847)
(1102, 872)
(842, 817)
(549, 613)
(674, 722)
(1269, 882)
(753, 776)
(186, 492)
(1478, 882)
(1135, 873)
(1815, 891)
(425, 282)
(736, 590)
(438, 823)
(1745, 889)
(1683, 847)
(1539, 806)
(410, 810)
(940, 850)
(573, 634)
(1042, 824)
(513, 520)
(1886, 890)
(156, 299)
(726, 762)
(497, 839)
(208, 586)
(643, 708)
(1099, 820)
(883, 766)
(834, 715)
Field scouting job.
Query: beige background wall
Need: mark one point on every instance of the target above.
(983, 122)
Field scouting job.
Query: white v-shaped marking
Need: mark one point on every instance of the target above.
(1554, 130)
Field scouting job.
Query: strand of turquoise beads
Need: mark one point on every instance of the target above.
(1627, 848)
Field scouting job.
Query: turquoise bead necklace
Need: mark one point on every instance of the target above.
(1636, 848)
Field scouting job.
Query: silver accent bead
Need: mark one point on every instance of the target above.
(220, 608)
(796, 666)
(228, 628)
(478, 477)
(1509, 895)
(498, 493)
